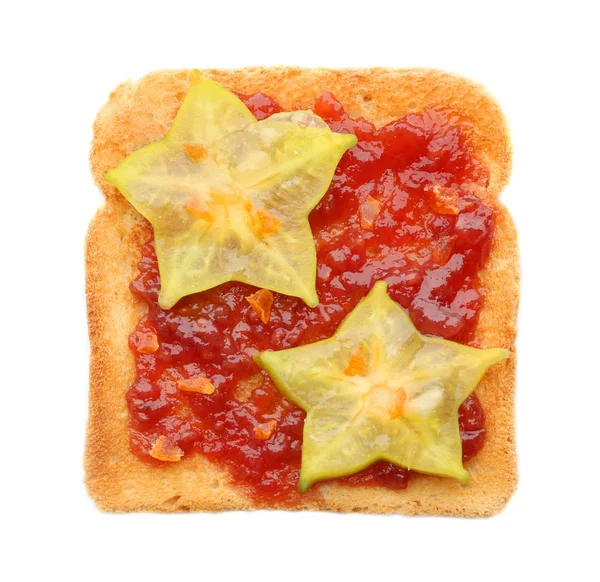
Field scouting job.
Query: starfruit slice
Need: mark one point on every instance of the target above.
(379, 390)
(229, 197)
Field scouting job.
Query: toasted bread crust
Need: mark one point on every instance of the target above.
(139, 113)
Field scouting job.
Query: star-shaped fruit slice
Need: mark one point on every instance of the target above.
(229, 197)
(379, 390)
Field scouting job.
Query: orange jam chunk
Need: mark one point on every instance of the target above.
(194, 151)
(357, 364)
(261, 302)
(199, 385)
(146, 342)
(442, 199)
(265, 223)
(369, 210)
(164, 450)
(264, 430)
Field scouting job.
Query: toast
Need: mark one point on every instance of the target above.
(142, 112)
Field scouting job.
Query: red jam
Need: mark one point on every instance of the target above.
(401, 208)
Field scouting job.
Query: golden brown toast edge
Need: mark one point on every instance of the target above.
(142, 112)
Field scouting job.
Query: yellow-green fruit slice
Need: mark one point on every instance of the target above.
(229, 197)
(399, 403)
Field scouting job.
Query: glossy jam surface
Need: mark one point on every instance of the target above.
(401, 208)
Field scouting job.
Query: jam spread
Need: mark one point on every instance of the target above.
(401, 208)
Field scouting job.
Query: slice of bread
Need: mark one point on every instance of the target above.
(139, 113)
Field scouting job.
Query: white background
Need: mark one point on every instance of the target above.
(59, 62)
